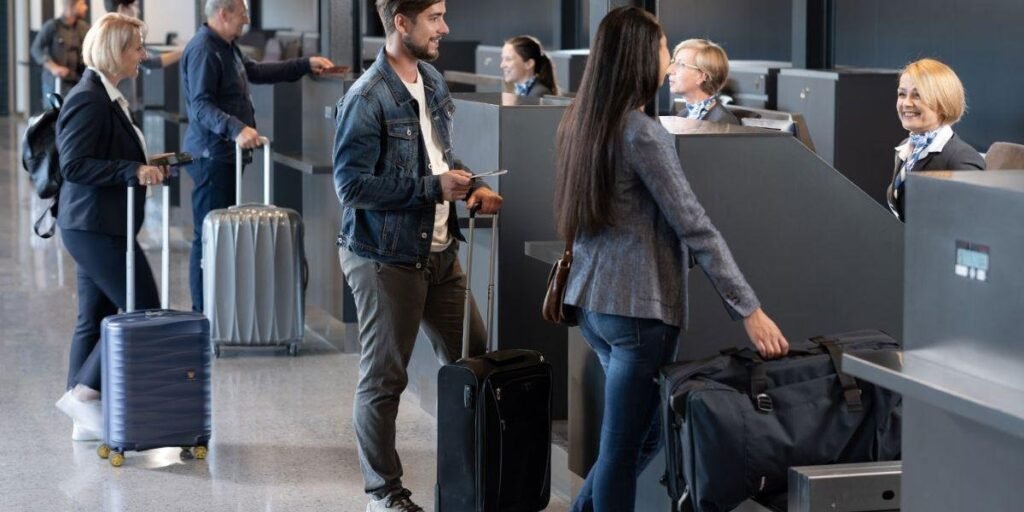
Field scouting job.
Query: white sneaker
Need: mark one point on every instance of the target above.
(86, 415)
(82, 434)
(398, 501)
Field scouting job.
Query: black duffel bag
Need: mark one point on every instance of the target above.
(735, 423)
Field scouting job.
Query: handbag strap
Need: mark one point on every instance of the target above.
(567, 253)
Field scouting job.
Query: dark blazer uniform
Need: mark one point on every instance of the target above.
(718, 114)
(538, 89)
(100, 154)
(956, 155)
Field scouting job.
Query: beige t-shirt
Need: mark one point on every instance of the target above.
(441, 239)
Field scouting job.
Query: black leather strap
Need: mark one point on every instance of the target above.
(51, 209)
(851, 391)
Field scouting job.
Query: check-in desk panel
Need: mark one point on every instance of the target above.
(501, 131)
(851, 116)
(822, 256)
(299, 117)
(753, 83)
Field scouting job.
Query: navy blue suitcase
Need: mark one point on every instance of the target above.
(156, 373)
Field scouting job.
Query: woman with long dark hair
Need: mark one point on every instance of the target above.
(622, 195)
(527, 67)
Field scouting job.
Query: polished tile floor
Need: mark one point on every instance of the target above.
(282, 441)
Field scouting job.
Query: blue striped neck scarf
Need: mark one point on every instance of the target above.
(700, 109)
(920, 142)
(524, 88)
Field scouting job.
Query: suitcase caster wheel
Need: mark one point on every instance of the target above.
(216, 351)
(293, 349)
(116, 459)
(199, 452)
(186, 453)
(103, 451)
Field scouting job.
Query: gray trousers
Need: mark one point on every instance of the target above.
(392, 303)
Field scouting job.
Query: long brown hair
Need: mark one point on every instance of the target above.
(528, 47)
(622, 74)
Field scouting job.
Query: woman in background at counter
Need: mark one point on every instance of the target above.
(622, 197)
(527, 67)
(698, 72)
(929, 101)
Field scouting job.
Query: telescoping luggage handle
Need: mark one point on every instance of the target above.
(265, 142)
(165, 252)
(490, 280)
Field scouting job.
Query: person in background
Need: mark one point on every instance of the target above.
(58, 48)
(130, 88)
(622, 196)
(215, 80)
(102, 153)
(929, 101)
(698, 72)
(527, 67)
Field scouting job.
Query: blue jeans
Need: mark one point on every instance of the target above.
(214, 189)
(631, 351)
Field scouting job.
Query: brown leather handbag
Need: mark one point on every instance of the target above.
(555, 310)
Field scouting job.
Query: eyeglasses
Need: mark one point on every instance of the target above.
(678, 62)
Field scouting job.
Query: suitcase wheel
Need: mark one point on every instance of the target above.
(103, 451)
(199, 452)
(293, 349)
(116, 459)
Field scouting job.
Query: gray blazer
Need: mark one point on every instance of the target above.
(638, 267)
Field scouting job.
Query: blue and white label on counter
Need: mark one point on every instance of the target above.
(972, 261)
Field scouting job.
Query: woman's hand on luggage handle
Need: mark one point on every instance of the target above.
(152, 174)
(765, 335)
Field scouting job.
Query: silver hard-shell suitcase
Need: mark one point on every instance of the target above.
(254, 271)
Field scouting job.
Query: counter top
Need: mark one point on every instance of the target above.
(302, 163)
(502, 99)
(547, 251)
(682, 126)
(916, 374)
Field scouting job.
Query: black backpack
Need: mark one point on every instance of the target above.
(39, 158)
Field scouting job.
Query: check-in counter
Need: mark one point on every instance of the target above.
(822, 256)
(569, 66)
(164, 121)
(852, 120)
(753, 83)
(502, 131)
(303, 125)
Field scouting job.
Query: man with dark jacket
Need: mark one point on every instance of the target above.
(216, 78)
(398, 180)
(58, 48)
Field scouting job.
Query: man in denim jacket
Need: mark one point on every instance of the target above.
(397, 180)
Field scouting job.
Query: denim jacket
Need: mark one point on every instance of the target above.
(381, 174)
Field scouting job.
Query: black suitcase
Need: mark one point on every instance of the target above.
(735, 423)
(493, 423)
